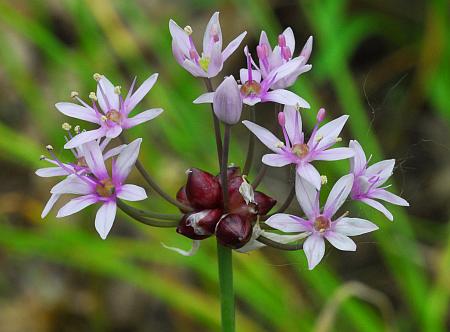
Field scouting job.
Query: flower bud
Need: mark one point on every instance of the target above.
(203, 190)
(227, 101)
(182, 197)
(264, 203)
(199, 225)
(234, 231)
(321, 115)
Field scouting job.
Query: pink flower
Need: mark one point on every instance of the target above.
(295, 149)
(319, 224)
(368, 181)
(95, 185)
(270, 60)
(210, 63)
(109, 110)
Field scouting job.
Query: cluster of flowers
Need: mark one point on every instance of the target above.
(232, 211)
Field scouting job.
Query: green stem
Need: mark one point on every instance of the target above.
(216, 123)
(251, 144)
(224, 257)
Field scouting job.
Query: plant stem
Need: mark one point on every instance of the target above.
(251, 145)
(281, 246)
(147, 221)
(150, 214)
(259, 176)
(224, 257)
(152, 183)
(224, 166)
(210, 88)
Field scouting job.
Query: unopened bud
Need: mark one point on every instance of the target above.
(264, 203)
(321, 115)
(182, 197)
(199, 225)
(227, 101)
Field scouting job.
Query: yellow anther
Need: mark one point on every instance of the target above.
(42, 157)
(93, 96)
(104, 118)
(319, 138)
(323, 179)
(279, 145)
(77, 129)
(49, 147)
(338, 139)
(66, 126)
(74, 94)
(97, 76)
(188, 30)
(117, 90)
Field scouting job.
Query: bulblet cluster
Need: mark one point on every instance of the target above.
(203, 193)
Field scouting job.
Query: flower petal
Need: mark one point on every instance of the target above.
(193, 68)
(293, 124)
(72, 185)
(84, 137)
(328, 133)
(78, 112)
(143, 117)
(94, 159)
(114, 151)
(232, 46)
(378, 206)
(309, 173)
(354, 226)
(190, 252)
(340, 241)
(205, 98)
(76, 204)
(215, 62)
(131, 192)
(179, 36)
(265, 136)
(307, 196)
(382, 169)
(114, 131)
(358, 162)
(288, 223)
(213, 35)
(290, 39)
(307, 49)
(105, 218)
(140, 93)
(388, 197)
(276, 160)
(334, 154)
(285, 97)
(51, 202)
(314, 248)
(51, 171)
(126, 160)
(338, 195)
(108, 99)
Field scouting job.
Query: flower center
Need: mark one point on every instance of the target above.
(114, 116)
(81, 162)
(204, 63)
(300, 150)
(250, 88)
(105, 188)
(321, 224)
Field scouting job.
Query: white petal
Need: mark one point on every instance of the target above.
(310, 173)
(191, 252)
(288, 223)
(334, 154)
(380, 207)
(140, 93)
(276, 160)
(307, 196)
(340, 241)
(328, 133)
(293, 124)
(193, 68)
(358, 162)
(131, 192)
(94, 159)
(205, 98)
(286, 97)
(51, 171)
(114, 151)
(314, 248)
(354, 226)
(84, 137)
(143, 117)
(106, 95)
(265, 136)
(338, 195)
(213, 28)
(105, 218)
(290, 39)
(78, 112)
(180, 38)
(382, 169)
(76, 204)
(126, 160)
(388, 197)
(51, 202)
(243, 75)
(72, 185)
(232, 46)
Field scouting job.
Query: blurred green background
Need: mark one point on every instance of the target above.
(386, 63)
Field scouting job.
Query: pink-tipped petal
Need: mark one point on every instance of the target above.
(293, 124)
(143, 117)
(232, 46)
(359, 161)
(288, 223)
(140, 93)
(329, 132)
(338, 195)
(388, 197)
(354, 226)
(276, 160)
(314, 248)
(78, 112)
(126, 160)
(310, 174)
(76, 204)
(108, 96)
(84, 137)
(206, 98)
(213, 35)
(51, 202)
(340, 241)
(307, 197)
(265, 136)
(51, 171)
(378, 206)
(131, 192)
(334, 154)
(94, 158)
(105, 218)
(286, 97)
